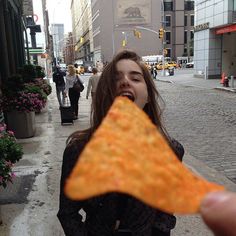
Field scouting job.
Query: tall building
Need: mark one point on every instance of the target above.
(82, 31)
(179, 29)
(114, 23)
(57, 31)
(215, 36)
(101, 28)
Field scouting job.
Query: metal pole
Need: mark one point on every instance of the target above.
(26, 42)
(206, 72)
(232, 81)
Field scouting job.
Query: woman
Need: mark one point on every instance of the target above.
(74, 95)
(113, 213)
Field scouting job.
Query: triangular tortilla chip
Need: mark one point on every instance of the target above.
(127, 154)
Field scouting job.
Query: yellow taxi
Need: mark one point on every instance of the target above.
(172, 64)
(160, 66)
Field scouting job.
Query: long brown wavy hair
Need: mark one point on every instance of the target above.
(106, 93)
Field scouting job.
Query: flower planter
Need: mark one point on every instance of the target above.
(21, 123)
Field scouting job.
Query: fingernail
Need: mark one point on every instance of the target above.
(214, 198)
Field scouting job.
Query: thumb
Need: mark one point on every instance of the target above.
(218, 210)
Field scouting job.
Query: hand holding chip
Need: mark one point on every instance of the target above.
(219, 212)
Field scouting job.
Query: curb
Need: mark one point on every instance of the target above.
(231, 90)
(210, 174)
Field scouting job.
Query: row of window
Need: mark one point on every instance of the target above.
(188, 5)
(168, 36)
(187, 52)
(168, 20)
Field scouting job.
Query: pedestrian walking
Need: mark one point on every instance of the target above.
(116, 213)
(154, 71)
(58, 79)
(77, 71)
(74, 95)
(92, 83)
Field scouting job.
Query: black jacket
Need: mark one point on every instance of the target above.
(58, 78)
(103, 211)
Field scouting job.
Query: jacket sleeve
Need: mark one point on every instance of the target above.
(68, 213)
(66, 85)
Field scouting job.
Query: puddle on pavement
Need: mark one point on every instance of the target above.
(17, 192)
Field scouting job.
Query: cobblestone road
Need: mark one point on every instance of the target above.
(204, 121)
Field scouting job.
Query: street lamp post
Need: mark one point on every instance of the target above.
(163, 41)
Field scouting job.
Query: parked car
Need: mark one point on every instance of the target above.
(189, 65)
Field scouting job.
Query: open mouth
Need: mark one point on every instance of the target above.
(129, 95)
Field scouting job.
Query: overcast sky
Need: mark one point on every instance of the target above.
(59, 12)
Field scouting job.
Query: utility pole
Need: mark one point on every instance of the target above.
(163, 37)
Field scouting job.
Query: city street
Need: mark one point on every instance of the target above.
(201, 118)
(205, 122)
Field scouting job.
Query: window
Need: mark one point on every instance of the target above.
(168, 52)
(185, 36)
(168, 5)
(168, 37)
(185, 20)
(192, 20)
(185, 52)
(168, 21)
(191, 34)
(189, 5)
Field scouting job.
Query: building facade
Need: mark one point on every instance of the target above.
(82, 31)
(114, 23)
(57, 31)
(69, 52)
(179, 29)
(214, 40)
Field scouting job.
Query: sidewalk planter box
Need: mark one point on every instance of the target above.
(21, 123)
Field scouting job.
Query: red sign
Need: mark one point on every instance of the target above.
(226, 29)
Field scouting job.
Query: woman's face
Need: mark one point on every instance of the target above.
(130, 82)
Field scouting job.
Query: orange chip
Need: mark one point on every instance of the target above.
(127, 154)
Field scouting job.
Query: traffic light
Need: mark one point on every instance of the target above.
(81, 39)
(124, 43)
(161, 33)
(137, 34)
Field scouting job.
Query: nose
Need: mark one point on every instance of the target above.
(124, 81)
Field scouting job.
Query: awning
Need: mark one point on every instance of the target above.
(226, 29)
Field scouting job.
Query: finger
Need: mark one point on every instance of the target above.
(218, 210)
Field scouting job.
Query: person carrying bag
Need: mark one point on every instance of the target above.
(73, 88)
(78, 85)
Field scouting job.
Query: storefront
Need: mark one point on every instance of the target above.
(11, 38)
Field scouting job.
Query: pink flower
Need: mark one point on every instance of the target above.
(11, 133)
(13, 175)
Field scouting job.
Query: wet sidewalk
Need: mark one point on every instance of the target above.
(29, 206)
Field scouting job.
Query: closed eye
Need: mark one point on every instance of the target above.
(136, 77)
